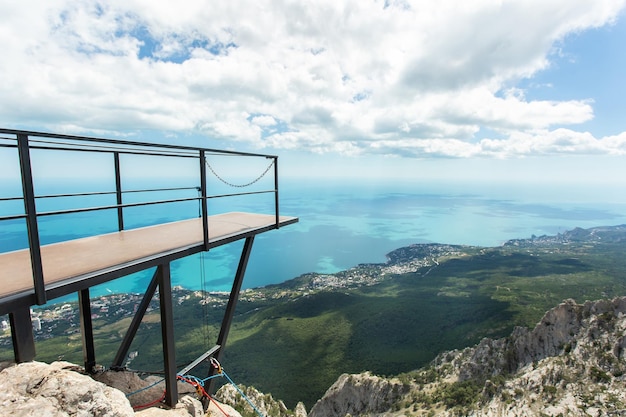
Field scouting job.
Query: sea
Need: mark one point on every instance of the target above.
(342, 223)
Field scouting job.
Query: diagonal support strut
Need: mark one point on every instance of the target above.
(232, 303)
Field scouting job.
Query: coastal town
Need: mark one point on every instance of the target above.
(63, 318)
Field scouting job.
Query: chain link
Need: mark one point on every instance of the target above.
(240, 185)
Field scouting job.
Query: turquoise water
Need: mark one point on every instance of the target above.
(341, 224)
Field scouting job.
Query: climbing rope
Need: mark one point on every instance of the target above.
(257, 179)
(198, 385)
(151, 403)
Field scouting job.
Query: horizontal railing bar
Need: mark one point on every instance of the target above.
(77, 147)
(113, 192)
(238, 194)
(139, 152)
(126, 142)
(124, 152)
(115, 206)
(101, 193)
(160, 189)
(93, 147)
(13, 217)
(112, 150)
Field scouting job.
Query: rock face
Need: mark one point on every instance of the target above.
(39, 389)
(567, 325)
(573, 363)
(62, 389)
(264, 403)
(143, 391)
(186, 407)
(357, 395)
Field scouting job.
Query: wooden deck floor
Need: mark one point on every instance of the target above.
(80, 257)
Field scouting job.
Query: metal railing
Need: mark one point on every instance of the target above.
(25, 141)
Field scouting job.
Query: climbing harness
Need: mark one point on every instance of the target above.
(198, 385)
(257, 179)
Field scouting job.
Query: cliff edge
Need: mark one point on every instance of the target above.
(572, 363)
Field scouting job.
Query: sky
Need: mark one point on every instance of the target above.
(482, 89)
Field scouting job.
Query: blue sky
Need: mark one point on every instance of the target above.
(485, 90)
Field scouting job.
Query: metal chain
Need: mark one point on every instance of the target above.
(240, 185)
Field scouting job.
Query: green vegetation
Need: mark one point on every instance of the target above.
(294, 342)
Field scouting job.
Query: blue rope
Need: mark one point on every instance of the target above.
(201, 382)
(224, 374)
(144, 388)
(242, 394)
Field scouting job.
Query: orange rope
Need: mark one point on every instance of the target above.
(155, 402)
(201, 391)
(218, 406)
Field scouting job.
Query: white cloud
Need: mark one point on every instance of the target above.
(408, 78)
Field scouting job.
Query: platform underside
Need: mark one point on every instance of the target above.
(76, 264)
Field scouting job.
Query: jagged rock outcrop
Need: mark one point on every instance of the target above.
(39, 389)
(573, 363)
(359, 394)
(568, 323)
(264, 403)
(144, 390)
(186, 407)
(62, 389)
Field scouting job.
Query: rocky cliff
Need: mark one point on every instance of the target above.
(62, 389)
(572, 363)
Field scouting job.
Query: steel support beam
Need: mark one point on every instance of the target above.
(34, 244)
(232, 304)
(22, 335)
(122, 352)
(167, 333)
(201, 358)
(86, 329)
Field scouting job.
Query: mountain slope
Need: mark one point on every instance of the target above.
(428, 298)
(572, 363)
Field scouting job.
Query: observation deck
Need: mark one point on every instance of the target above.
(145, 232)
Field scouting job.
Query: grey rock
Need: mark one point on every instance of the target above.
(358, 394)
(39, 389)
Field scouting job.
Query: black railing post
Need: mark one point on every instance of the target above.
(118, 191)
(276, 192)
(31, 218)
(203, 200)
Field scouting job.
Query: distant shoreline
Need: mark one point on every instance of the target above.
(533, 240)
